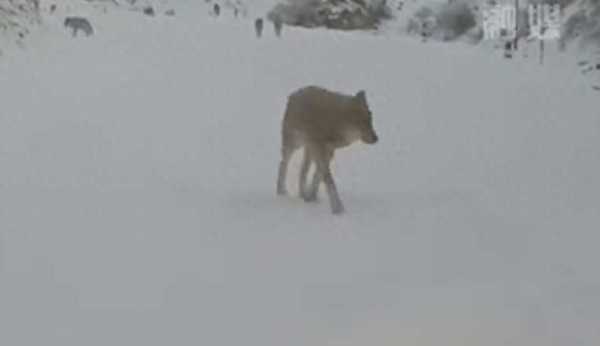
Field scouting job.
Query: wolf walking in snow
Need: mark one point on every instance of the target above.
(322, 121)
(79, 23)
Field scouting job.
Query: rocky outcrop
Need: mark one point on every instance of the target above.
(333, 14)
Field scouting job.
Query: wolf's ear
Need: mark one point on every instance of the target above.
(361, 96)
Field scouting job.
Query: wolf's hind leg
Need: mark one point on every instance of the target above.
(312, 193)
(306, 163)
(287, 149)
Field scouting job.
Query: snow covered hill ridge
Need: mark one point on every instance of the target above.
(19, 18)
(16, 18)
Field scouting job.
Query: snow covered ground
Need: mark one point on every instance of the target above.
(138, 206)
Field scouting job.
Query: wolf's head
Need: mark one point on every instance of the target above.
(362, 120)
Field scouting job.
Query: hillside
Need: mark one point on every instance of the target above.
(138, 205)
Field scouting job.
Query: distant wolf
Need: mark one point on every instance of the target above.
(52, 8)
(149, 11)
(216, 9)
(278, 25)
(79, 23)
(508, 49)
(321, 121)
(258, 27)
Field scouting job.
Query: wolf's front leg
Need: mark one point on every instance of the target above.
(334, 199)
(324, 173)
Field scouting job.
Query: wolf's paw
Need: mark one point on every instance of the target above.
(337, 209)
(309, 197)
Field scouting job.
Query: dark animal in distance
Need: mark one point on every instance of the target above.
(149, 11)
(278, 26)
(258, 27)
(79, 23)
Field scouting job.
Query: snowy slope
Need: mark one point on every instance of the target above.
(17, 19)
(138, 206)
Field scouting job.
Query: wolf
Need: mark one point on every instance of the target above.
(149, 11)
(216, 10)
(258, 27)
(79, 23)
(321, 121)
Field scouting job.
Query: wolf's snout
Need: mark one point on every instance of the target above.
(371, 138)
